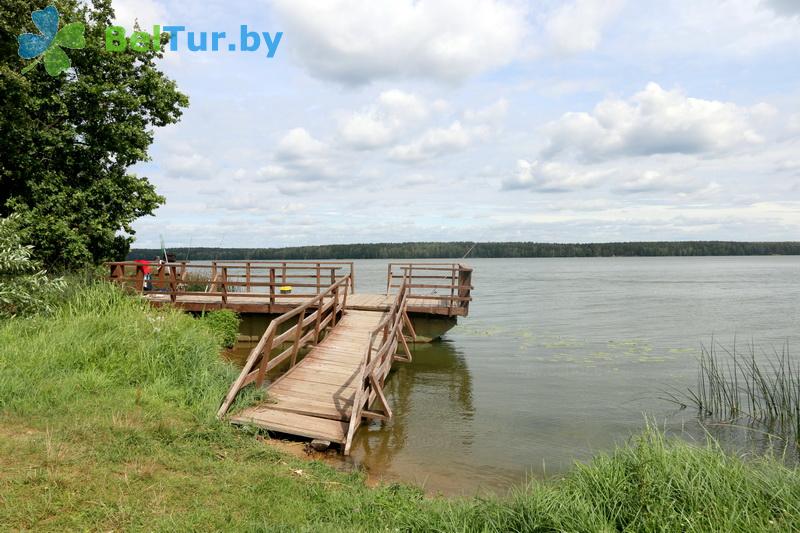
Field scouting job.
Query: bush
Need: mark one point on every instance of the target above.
(224, 324)
(24, 287)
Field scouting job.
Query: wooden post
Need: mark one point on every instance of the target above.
(139, 279)
(272, 286)
(388, 279)
(333, 276)
(262, 369)
(247, 277)
(464, 282)
(173, 283)
(335, 306)
(319, 280)
(453, 281)
(213, 287)
(283, 275)
(352, 279)
(297, 337)
(225, 285)
(319, 319)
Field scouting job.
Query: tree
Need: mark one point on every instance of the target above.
(66, 142)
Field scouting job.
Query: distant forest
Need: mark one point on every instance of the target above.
(451, 250)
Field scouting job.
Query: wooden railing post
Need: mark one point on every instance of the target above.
(319, 280)
(283, 274)
(272, 286)
(225, 285)
(265, 354)
(318, 321)
(173, 283)
(388, 279)
(335, 305)
(344, 298)
(213, 286)
(139, 279)
(464, 282)
(247, 277)
(297, 337)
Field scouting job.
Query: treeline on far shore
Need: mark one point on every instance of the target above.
(430, 250)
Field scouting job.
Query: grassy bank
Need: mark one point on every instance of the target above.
(106, 423)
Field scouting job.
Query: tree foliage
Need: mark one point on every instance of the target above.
(455, 250)
(24, 286)
(67, 141)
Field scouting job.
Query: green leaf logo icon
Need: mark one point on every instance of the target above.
(47, 44)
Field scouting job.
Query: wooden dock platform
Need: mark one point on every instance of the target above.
(325, 358)
(436, 289)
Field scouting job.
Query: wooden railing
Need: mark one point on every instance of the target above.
(379, 355)
(308, 327)
(240, 278)
(447, 285)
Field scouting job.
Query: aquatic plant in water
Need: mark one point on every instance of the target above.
(734, 384)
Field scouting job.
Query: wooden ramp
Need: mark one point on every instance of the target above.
(326, 394)
(314, 398)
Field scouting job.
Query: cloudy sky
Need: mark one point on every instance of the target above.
(563, 121)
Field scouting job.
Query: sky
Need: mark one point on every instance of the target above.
(479, 120)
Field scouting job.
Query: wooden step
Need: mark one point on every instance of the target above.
(293, 423)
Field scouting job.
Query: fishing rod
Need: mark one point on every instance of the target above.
(468, 251)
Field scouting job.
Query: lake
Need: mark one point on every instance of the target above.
(562, 358)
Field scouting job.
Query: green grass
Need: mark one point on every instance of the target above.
(106, 423)
(224, 323)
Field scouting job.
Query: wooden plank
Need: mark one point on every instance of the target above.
(335, 399)
(295, 424)
(289, 383)
(326, 378)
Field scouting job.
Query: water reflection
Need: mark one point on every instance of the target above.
(431, 395)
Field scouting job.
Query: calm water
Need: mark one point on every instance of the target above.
(561, 358)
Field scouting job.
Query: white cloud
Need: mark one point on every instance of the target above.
(654, 181)
(354, 42)
(437, 142)
(655, 121)
(553, 177)
(189, 166)
(298, 144)
(379, 124)
(577, 26)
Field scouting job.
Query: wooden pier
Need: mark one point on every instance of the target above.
(325, 359)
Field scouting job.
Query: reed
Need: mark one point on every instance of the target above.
(741, 382)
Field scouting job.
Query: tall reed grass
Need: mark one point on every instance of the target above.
(738, 382)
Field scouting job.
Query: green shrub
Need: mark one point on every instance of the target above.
(24, 287)
(224, 324)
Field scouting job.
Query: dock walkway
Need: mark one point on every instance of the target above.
(315, 398)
